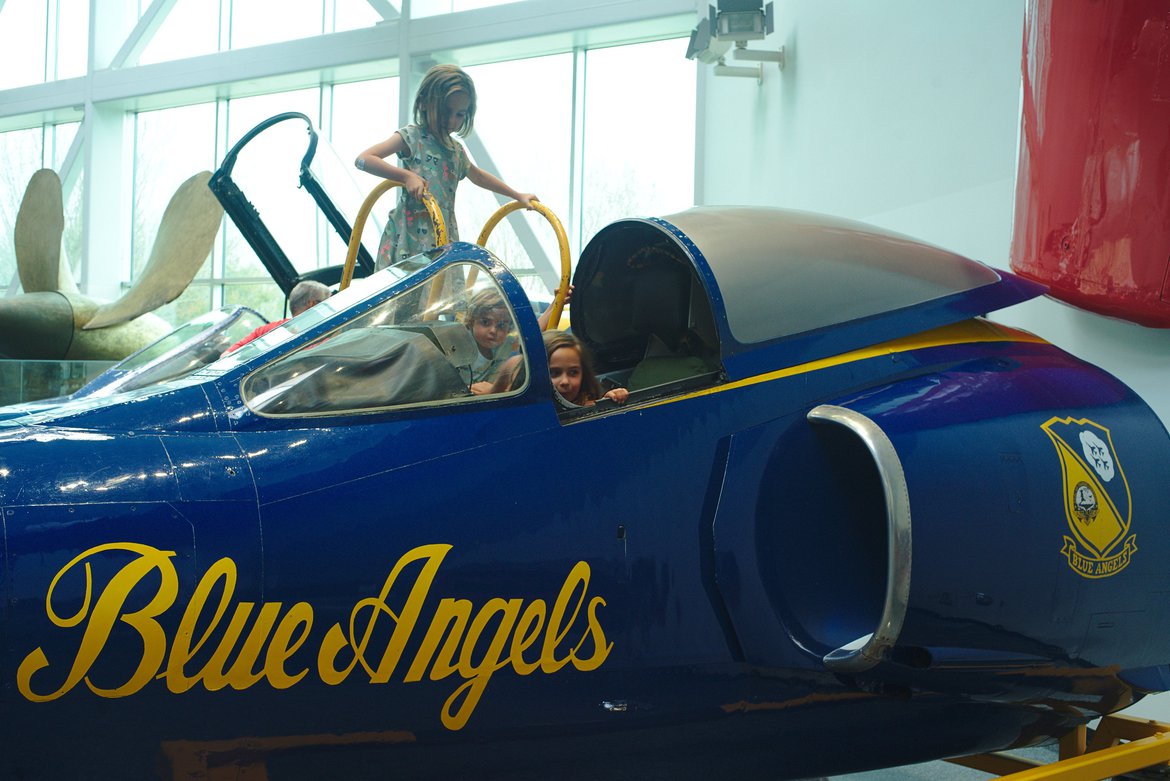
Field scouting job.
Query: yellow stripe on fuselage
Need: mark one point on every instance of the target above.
(966, 332)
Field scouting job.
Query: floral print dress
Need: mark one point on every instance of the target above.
(409, 230)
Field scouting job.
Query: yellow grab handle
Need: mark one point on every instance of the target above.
(355, 237)
(558, 303)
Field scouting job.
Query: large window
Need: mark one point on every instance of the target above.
(26, 29)
(438, 7)
(22, 43)
(191, 28)
(363, 112)
(524, 135)
(72, 39)
(566, 126)
(170, 147)
(639, 143)
(22, 152)
(188, 31)
(636, 152)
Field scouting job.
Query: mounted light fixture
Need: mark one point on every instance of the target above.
(734, 21)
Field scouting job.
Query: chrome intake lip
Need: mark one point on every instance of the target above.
(868, 650)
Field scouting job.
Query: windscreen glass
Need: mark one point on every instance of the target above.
(450, 338)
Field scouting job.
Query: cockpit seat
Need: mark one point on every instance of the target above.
(661, 365)
(452, 338)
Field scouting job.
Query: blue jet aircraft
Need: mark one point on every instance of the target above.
(843, 521)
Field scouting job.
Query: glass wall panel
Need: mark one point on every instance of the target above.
(355, 14)
(363, 113)
(190, 29)
(257, 22)
(22, 381)
(639, 147)
(171, 145)
(420, 8)
(21, 151)
(74, 224)
(22, 43)
(636, 152)
(62, 137)
(264, 297)
(72, 38)
(524, 120)
(191, 303)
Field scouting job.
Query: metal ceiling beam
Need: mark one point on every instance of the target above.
(58, 101)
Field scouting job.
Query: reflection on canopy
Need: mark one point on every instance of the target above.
(414, 349)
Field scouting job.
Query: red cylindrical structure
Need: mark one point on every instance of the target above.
(1093, 187)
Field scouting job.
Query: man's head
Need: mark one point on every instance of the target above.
(306, 294)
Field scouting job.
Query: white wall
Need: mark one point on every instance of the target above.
(905, 114)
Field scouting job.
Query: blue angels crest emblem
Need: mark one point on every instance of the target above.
(1096, 498)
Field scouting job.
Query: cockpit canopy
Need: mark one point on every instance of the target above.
(707, 284)
(419, 346)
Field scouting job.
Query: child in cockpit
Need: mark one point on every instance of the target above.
(497, 365)
(571, 371)
(490, 323)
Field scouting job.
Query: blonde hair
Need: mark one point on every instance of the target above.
(430, 104)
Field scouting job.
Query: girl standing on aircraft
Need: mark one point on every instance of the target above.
(571, 371)
(430, 161)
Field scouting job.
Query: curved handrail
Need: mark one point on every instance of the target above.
(359, 223)
(558, 303)
(866, 651)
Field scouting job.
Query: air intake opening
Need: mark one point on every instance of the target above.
(834, 540)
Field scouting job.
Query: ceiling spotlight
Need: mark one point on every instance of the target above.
(703, 46)
(741, 20)
(734, 21)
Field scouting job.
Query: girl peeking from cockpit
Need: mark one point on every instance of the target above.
(571, 371)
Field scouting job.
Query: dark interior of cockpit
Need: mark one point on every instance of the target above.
(641, 310)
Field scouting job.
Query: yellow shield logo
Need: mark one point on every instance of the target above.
(1096, 498)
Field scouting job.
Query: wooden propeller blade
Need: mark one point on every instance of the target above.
(37, 233)
(185, 237)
